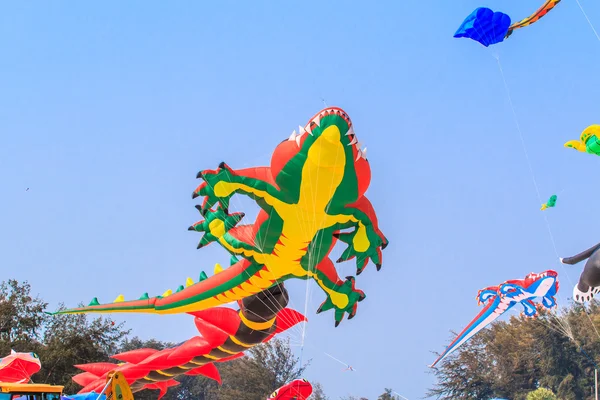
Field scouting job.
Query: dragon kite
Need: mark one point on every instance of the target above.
(310, 195)
(500, 299)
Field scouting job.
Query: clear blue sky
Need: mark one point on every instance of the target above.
(108, 110)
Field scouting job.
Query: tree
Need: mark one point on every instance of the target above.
(541, 394)
(21, 317)
(318, 392)
(388, 395)
(60, 341)
(510, 359)
(465, 375)
(568, 389)
(73, 339)
(266, 368)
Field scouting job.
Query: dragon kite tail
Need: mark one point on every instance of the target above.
(227, 285)
(225, 335)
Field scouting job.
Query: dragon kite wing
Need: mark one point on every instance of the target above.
(502, 298)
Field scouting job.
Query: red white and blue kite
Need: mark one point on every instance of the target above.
(502, 298)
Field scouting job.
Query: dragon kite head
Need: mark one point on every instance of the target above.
(329, 141)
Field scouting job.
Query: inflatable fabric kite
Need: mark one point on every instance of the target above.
(589, 280)
(589, 141)
(550, 203)
(502, 298)
(299, 389)
(226, 334)
(314, 188)
(84, 396)
(488, 27)
(18, 367)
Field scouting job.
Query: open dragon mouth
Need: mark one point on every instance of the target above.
(316, 122)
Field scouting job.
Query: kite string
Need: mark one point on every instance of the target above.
(512, 107)
(588, 20)
(533, 177)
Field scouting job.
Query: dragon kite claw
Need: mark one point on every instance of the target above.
(364, 244)
(217, 223)
(345, 300)
(214, 187)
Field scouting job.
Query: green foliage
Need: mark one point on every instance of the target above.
(73, 339)
(513, 358)
(21, 317)
(267, 367)
(388, 395)
(541, 394)
(60, 342)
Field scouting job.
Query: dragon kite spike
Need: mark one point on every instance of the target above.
(203, 276)
(119, 299)
(218, 268)
(278, 245)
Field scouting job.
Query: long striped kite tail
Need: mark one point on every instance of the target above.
(533, 18)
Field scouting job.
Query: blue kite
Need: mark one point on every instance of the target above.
(84, 396)
(484, 26)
